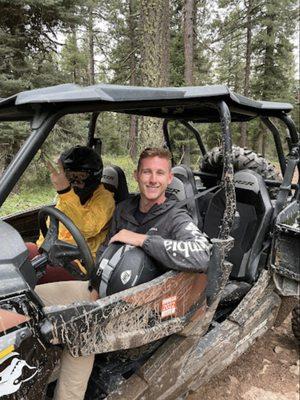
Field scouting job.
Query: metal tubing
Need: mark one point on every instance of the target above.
(196, 134)
(25, 155)
(294, 143)
(167, 139)
(276, 135)
(227, 177)
(92, 126)
(294, 135)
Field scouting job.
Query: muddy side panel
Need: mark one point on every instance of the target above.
(182, 365)
(128, 319)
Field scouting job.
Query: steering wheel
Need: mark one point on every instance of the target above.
(62, 253)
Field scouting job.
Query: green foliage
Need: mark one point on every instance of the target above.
(73, 61)
(27, 198)
(35, 188)
(112, 128)
(46, 42)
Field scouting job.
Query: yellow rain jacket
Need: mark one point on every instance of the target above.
(92, 218)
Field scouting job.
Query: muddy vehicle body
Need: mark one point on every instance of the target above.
(165, 338)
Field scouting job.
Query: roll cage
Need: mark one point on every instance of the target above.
(44, 107)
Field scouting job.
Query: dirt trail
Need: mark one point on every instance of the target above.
(268, 371)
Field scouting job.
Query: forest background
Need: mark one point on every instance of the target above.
(248, 45)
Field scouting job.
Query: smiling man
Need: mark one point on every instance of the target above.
(149, 220)
(154, 222)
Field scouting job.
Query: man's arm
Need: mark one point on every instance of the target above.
(128, 237)
(188, 249)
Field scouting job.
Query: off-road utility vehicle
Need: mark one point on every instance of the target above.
(164, 338)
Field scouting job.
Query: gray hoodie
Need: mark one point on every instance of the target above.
(173, 239)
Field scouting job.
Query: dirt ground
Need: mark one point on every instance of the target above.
(268, 371)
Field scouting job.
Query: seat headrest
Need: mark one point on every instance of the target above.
(181, 170)
(178, 188)
(184, 171)
(114, 180)
(250, 186)
(182, 189)
(247, 180)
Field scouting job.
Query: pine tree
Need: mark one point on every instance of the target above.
(274, 63)
(154, 16)
(28, 43)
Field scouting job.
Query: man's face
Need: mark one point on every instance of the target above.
(153, 177)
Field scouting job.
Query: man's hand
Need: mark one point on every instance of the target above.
(94, 295)
(58, 177)
(129, 237)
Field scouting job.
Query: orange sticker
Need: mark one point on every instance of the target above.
(168, 307)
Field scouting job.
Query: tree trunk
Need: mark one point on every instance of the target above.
(188, 37)
(154, 42)
(165, 44)
(268, 67)
(133, 133)
(91, 46)
(75, 48)
(248, 5)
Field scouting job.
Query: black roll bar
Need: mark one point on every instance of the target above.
(196, 134)
(167, 138)
(92, 142)
(294, 135)
(190, 128)
(26, 153)
(276, 135)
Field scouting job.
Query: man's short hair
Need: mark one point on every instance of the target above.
(155, 152)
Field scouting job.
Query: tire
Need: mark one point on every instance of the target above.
(242, 159)
(296, 322)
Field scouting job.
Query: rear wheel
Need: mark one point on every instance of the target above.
(242, 159)
(296, 322)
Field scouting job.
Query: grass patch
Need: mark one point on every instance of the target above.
(27, 198)
(31, 194)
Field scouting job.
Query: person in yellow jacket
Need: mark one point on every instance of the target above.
(82, 197)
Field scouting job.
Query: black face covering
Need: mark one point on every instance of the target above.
(83, 159)
(84, 194)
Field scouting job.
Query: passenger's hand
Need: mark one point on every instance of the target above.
(57, 176)
(129, 237)
(94, 295)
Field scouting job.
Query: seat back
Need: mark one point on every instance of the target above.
(183, 187)
(183, 171)
(255, 211)
(114, 180)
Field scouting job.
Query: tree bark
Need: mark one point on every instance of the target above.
(165, 44)
(74, 45)
(133, 128)
(248, 5)
(268, 65)
(188, 37)
(91, 46)
(154, 42)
